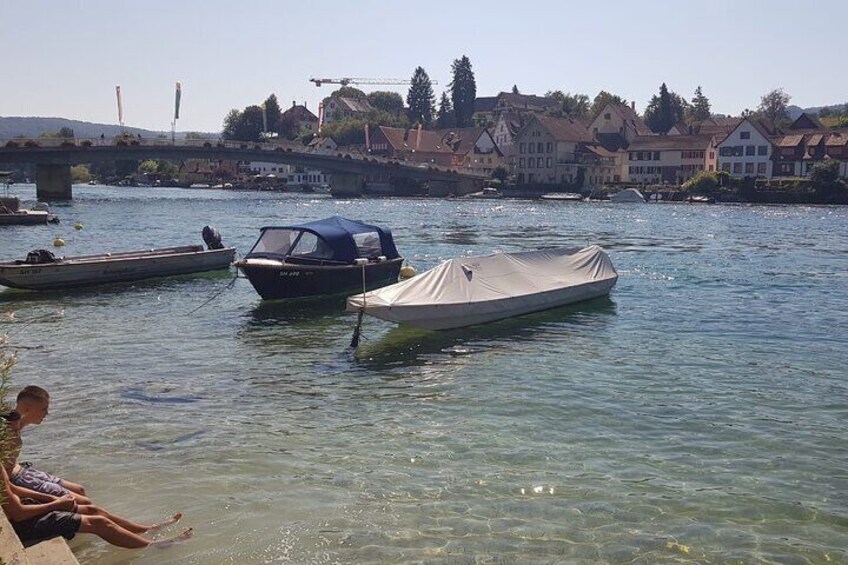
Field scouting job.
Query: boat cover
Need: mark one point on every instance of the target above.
(536, 279)
(339, 233)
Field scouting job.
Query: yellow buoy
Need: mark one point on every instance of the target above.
(78, 226)
(58, 242)
(407, 272)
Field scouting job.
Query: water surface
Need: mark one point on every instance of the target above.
(696, 416)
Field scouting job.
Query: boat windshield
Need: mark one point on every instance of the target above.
(277, 242)
(292, 243)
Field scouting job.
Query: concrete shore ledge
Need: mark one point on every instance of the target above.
(51, 552)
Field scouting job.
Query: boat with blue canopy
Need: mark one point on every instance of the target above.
(330, 256)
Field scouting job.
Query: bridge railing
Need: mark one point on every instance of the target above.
(253, 146)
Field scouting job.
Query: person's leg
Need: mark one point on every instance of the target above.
(116, 535)
(31, 473)
(135, 527)
(73, 487)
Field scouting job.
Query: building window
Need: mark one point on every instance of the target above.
(539, 162)
(521, 148)
(725, 167)
(521, 162)
(656, 155)
(744, 135)
(761, 169)
(531, 147)
(539, 147)
(632, 156)
(607, 116)
(749, 168)
(749, 150)
(548, 162)
(762, 150)
(530, 162)
(737, 168)
(550, 147)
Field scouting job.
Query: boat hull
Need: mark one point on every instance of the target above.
(26, 218)
(74, 272)
(277, 280)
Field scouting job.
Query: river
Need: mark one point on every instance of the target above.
(696, 416)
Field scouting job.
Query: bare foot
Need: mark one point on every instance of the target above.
(169, 522)
(185, 535)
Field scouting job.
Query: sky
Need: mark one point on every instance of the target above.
(63, 58)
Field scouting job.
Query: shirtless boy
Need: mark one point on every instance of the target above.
(32, 406)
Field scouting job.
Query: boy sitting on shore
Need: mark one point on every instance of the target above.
(32, 406)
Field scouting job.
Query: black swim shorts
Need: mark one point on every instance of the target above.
(51, 525)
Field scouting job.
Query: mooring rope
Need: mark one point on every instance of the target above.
(217, 294)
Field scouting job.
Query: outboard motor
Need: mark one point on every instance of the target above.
(212, 238)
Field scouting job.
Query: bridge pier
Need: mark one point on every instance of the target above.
(53, 182)
(346, 184)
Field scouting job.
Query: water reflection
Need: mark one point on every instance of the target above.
(410, 346)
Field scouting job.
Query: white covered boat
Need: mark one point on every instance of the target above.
(41, 270)
(475, 290)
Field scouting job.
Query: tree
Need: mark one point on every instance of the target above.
(602, 100)
(231, 122)
(80, 174)
(705, 182)
(515, 89)
(445, 117)
(243, 126)
(463, 91)
(773, 106)
(665, 110)
(65, 132)
(349, 92)
(273, 114)
(420, 98)
(700, 109)
(389, 102)
(825, 175)
(148, 167)
(569, 105)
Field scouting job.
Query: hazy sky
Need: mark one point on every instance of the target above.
(64, 58)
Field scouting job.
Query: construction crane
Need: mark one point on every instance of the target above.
(358, 80)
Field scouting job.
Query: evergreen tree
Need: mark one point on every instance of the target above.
(515, 89)
(700, 109)
(463, 92)
(273, 114)
(420, 98)
(665, 110)
(444, 116)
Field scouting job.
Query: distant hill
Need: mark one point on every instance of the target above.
(33, 127)
(795, 111)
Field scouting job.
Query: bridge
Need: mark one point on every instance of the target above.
(53, 158)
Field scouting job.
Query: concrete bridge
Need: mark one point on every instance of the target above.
(53, 158)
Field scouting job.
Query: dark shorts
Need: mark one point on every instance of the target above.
(39, 481)
(51, 525)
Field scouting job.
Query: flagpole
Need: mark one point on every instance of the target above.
(177, 96)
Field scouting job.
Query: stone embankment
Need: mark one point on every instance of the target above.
(52, 552)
